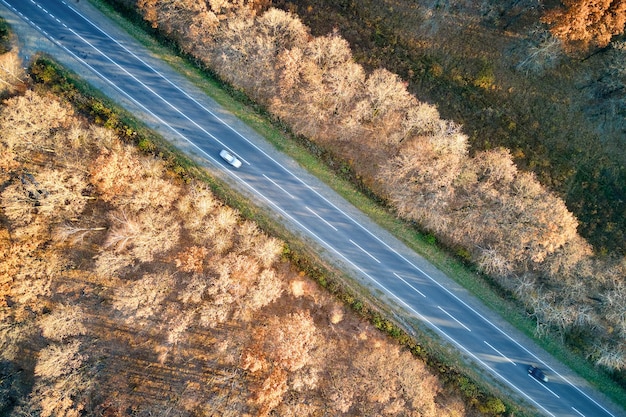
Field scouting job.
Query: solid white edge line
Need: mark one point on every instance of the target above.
(333, 205)
(230, 172)
(131, 75)
(180, 112)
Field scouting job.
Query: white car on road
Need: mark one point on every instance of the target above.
(230, 158)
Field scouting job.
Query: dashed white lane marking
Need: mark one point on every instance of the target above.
(349, 217)
(322, 219)
(454, 318)
(137, 80)
(544, 386)
(333, 205)
(364, 251)
(281, 188)
(412, 287)
(578, 412)
(500, 353)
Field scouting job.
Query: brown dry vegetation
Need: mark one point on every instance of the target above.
(496, 69)
(480, 205)
(126, 291)
(585, 23)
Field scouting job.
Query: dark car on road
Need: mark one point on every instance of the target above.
(537, 373)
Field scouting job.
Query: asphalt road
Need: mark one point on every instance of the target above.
(95, 48)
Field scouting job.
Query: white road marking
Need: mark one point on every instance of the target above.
(176, 109)
(282, 189)
(177, 87)
(412, 287)
(131, 98)
(454, 318)
(500, 353)
(543, 385)
(127, 72)
(366, 252)
(459, 345)
(578, 412)
(322, 219)
(511, 339)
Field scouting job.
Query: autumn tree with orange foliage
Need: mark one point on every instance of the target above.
(581, 24)
(481, 206)
(115, 298)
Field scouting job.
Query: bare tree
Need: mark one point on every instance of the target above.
(286, 342)
(63, 386)
(57, 360)
(63, 322)
(192, 259)
(144, 297)
(25, 127)
(384, 105)
(493, 263)
(110, 263)
(611, 356)
(265, 289)
(150, 232)
(615, 306)
(73, 233)
(11, 72)
(540, 51)
(123, 232)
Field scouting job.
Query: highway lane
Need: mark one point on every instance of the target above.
(197, 125)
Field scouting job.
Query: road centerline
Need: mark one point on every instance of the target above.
(412, 287)
(454, 318)
(322, 219)
(500, 353)
(364, 251)
(277, 185)
(541, 384)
